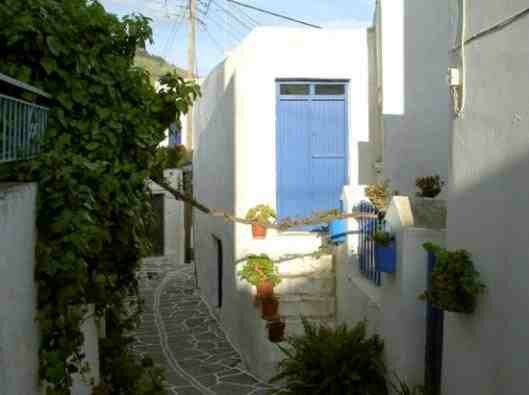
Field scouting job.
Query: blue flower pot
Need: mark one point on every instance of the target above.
(386, 258)
(337, 230)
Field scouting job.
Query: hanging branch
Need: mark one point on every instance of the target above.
(287, 223)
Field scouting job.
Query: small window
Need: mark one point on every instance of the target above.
(330, 89)
(295, 89)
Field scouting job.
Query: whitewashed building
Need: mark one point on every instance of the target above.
(282, 121)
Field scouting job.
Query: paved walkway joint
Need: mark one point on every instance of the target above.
(179, 333)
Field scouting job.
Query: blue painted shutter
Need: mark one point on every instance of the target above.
(328, 157)
(294, 180)
(311, 154)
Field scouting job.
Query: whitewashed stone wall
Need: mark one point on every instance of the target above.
(19, 334)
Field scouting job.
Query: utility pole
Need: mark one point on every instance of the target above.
(188, 175)
(191, 64)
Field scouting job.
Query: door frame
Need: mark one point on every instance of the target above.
(312, 97)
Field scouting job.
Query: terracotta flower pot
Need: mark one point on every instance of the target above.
(265, 290)
(269, 308)
(276, 331)
(258, 231)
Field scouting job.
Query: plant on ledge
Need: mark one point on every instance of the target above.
(379, 195)
(455, 283)
(383, 238)
(430, 187)
(261, 272)
(333, 362)
(262, 214)
(385, 252)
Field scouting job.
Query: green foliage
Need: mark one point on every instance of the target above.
(430, 187)
(105, 123)
(402, 388)
(170, 158)
(259, 268)
(261, 214)
(383, 238)
(338, 361)
(455, 282)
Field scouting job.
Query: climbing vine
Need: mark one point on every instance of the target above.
(93, 214)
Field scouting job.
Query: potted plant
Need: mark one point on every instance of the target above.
(385, 252)
(261, 272)
(430, 187)
(455, 283)
(260, 215)
(276, 331)
(270, 307)
(337, 227)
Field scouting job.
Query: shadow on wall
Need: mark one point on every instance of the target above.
(417, 142)
(487, 215)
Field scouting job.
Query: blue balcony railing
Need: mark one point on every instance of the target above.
(22, 123)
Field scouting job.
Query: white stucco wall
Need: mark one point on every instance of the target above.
(235, 163)
(486, 353)
(19, 336)
(416, 112)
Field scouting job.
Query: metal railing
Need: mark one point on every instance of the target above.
(366, 246)
(22, 123)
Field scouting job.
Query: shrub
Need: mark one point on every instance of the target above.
(333, 362)
(379, 194)
(383, 238)
(455, 283)
(259, 268)
(261, 214)
(430, 186)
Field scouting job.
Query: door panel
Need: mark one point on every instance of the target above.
(311, 153)
(294, 188)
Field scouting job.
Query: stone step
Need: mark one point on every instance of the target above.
(304, 266)
(307, 306)
(316, 286)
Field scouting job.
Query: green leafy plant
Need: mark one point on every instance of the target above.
(259, 268)
(333, 362)
(105, 123)
(262, 214)
(455, 283)
(402, 388)
(430, 187)
(383, 238)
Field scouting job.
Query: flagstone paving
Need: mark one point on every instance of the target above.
(180, 333)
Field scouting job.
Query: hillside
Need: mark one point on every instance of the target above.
(156, 65)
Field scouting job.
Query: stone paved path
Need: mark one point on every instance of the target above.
(181, 334)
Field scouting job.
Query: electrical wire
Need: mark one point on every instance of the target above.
(228, 12)
(224, 28)
(274, 14)
(251, 20)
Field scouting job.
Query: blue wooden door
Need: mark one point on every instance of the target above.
(311, 147)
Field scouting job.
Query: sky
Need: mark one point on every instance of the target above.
(223, 25)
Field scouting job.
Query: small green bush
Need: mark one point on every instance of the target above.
(259, 268)
(455, 281)
(383, 238)
(430, 186)
(261, 214)
(340, 361)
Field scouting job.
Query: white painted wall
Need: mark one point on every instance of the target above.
(486, 353)
(392, 309)
(235, 159)
(19, 334)
(416, 112)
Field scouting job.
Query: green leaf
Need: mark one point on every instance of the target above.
(53, 45)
